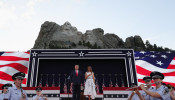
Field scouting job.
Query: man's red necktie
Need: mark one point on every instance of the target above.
(76, 72)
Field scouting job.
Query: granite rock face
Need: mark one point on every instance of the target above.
(66, 36)
(135, 42)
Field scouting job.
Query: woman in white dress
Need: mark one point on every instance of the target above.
(90, 84)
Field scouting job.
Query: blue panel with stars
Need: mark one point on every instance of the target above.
(159, 59)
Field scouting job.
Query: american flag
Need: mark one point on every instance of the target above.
(103, 85)
(11, 63)
(65, 87)
(53, 82)
(41, 81)
(97, 86)
(47, 83)
(116, 84)
(70, 88)
(40, 84)
(110, 84)
(163, 62)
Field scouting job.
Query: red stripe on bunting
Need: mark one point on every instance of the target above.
(171, 67)
(146, 72)
(7, 77)
(141, 81)
(17, 66)
(12, 58)
(142, 71)
(27, 52)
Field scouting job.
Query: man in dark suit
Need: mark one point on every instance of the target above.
(76, 80)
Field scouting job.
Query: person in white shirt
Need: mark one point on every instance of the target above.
(135, 94)
(160, 92)
(171, 89)
(90, 84)
(39, 95)
(5, 91)
(149, 87)
(16, 92)
(141, 94)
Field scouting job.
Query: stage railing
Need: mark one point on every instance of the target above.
(62, 80)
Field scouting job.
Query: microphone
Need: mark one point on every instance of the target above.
(22, 94)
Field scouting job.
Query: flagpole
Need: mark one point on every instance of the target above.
(68, 78)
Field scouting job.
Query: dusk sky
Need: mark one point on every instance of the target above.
(153, 20)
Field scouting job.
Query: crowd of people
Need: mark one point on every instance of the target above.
(160, 92)
(15, 91)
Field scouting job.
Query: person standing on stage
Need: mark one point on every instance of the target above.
(76, 80)
(90, 84)
(142, 95)
(16, 92)
(160, 92)
(39, 95)
(4, 91)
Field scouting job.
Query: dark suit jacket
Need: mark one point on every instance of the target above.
(76, 79)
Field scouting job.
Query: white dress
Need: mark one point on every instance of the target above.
(90, 86)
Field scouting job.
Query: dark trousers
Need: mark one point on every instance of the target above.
(76, 92)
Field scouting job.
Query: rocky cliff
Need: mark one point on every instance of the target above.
(66, 36)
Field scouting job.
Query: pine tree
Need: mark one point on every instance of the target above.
(88, 45)
(73, 44)
(94, 46)
(79, 43)
(155, 47)
(84, 44)
(149, 47)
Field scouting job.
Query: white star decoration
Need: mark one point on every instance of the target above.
(128, 54)
(152, 51)
(81, 54)
(159, 62)
(34, 54)
(164, 56)
(143, 52)
(137, 57)
(168, 52)
(158, 53)
(153, 56)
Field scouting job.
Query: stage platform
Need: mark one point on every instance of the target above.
(53, 93)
